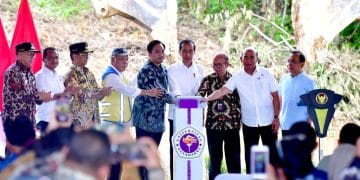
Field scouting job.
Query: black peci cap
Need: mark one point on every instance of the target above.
(80, 47)
(26, 46)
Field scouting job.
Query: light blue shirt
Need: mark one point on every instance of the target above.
(290, 90)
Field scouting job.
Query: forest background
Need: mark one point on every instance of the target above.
(216, 25)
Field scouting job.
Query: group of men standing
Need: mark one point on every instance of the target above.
(250, 98)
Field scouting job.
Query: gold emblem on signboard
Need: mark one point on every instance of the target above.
(321, 98)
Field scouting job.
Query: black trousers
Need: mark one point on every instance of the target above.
(230, 139)
(251, 137)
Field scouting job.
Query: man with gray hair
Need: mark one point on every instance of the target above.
(115, 109)
(259, 100)
(222, 120)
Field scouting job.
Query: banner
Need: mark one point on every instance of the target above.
(4, 59)
(25, 31)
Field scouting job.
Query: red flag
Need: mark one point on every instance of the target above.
(25, 31)
(4, 59)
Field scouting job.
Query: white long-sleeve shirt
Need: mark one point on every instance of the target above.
(115, 82)
(183, 81)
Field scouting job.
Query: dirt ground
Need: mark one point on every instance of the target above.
(105, 34)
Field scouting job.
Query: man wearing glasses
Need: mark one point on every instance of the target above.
(20, 95)
(222, 120)
(84, 106)
(292, 85)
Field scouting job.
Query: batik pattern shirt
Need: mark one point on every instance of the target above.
(224, 113)
(19, 93)
(149, 112)
(84, 110)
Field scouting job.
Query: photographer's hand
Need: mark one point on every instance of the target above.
(151, 152)
(275, 173)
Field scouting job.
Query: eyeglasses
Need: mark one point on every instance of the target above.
(218, 65)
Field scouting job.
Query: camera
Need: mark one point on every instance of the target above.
(128, 152)
(259, 159)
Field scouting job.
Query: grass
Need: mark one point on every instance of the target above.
(62, 8)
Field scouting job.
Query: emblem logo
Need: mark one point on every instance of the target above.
(188, 143)
(321, 98)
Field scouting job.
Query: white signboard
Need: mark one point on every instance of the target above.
(188, 139)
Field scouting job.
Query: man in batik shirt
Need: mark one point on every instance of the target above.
(84, 105)
(149, 112)
(19, 94)
(222, 120)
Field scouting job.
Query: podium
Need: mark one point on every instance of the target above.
(321, 107)
(188, 140)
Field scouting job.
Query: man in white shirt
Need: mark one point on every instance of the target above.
(260, 104)
(184, 79)
(48, 80)
(115, 109)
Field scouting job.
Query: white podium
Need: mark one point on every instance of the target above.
(188, 140)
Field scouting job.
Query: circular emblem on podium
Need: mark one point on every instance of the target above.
(188, 143)
(321, 98)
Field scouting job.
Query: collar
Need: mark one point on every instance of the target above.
(118, 72)
(227, 75)
(47, 70)
(150, 63)
(257, 69)
(78, 68)
(184, 66)
(21, 66)
(298, 75)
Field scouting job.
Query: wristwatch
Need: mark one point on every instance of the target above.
(276, 116)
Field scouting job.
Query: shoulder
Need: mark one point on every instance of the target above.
(146, 67)
(264, 70)
(237, 74)
(307, 77)
(163, 67)
(12, 69)
(40, 74)
(71, 70)
(284, 77)
(210, 76)
(199, 68)
(173, 66)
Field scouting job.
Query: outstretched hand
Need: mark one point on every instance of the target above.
(45, 96)
(105, 92)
